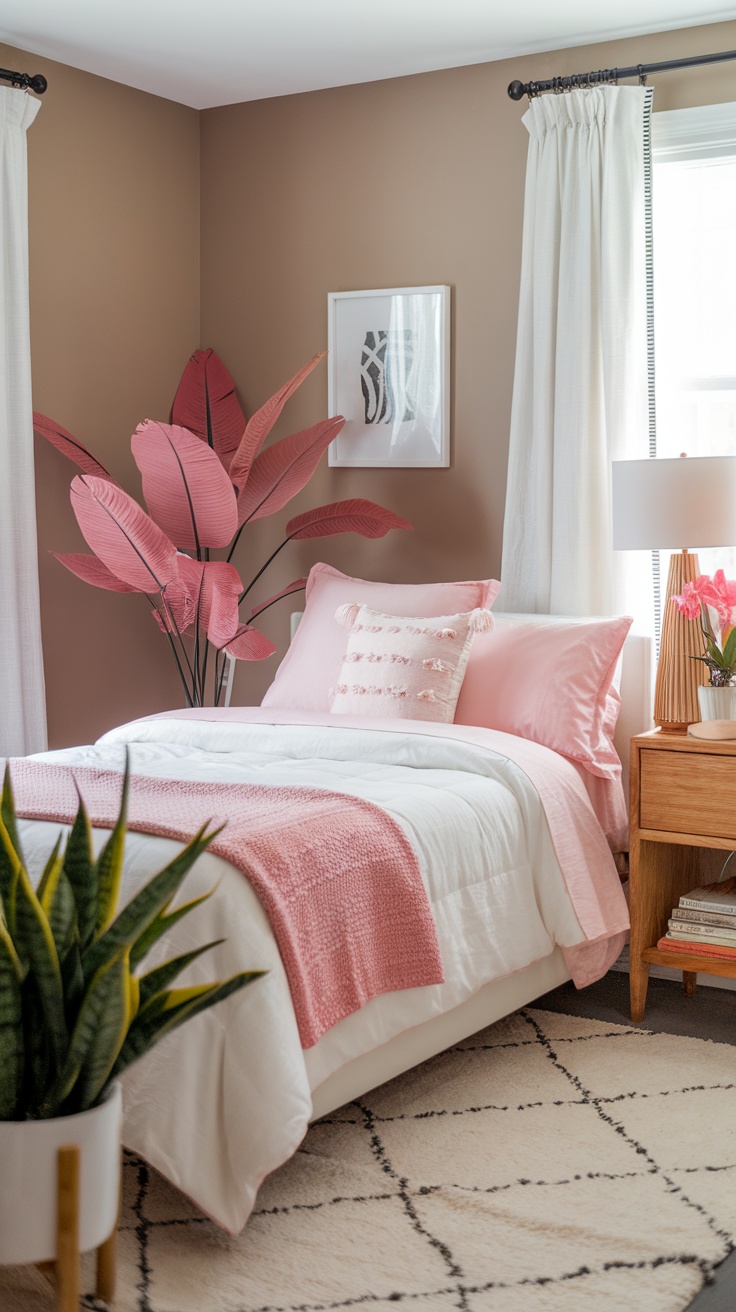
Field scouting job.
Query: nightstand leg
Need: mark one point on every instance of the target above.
(659, 874)
(638, 985)
(689, 983)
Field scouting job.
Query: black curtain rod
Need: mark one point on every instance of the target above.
(26, 81)
(518, 89)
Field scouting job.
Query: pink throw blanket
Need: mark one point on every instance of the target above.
(336, 875)
(582, 851)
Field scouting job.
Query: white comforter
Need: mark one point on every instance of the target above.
(226, 1099)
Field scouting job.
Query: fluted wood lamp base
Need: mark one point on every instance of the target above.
(679, 677)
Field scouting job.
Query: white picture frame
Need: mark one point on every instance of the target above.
(388, 373)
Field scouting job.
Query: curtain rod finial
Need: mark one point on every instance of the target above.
(38, 83)
(516, 90)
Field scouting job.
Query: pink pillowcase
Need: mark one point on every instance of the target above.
(311, 666)
(404, 668)
(550, 683)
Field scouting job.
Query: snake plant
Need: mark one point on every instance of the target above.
(75, 1007)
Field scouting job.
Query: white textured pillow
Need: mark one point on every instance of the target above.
(399, 667)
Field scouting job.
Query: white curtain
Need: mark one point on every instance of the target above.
(22, 698)
(580, 387)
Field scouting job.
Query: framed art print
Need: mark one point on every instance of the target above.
(389, 375)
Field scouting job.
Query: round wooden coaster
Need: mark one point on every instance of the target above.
(713, 730)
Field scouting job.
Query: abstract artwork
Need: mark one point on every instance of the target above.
(384, 359)
(388, 368)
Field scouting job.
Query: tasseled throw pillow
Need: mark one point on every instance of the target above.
(398, 667)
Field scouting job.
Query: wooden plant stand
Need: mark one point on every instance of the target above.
(64, 1272)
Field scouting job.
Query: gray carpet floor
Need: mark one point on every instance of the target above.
(710, 1014)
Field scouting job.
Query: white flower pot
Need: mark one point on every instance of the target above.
(717, 703)
(28, 1180)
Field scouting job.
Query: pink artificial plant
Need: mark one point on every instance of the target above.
(205, 476)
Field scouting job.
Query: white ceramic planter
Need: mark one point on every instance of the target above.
(28, 1180)
(717, 703)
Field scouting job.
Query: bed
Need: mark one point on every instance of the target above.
(224, 1101)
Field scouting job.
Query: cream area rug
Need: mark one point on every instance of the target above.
(547, 1164)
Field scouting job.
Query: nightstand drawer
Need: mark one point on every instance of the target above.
(686, 794)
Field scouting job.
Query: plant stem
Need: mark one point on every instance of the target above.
(705, 622)
(256, 613)
(236, 541)
(222, 677)
(204, 668)
(196, 641)
(178, 663)
(156, 611)
(263, 568)
(175, 627)
(253, 512)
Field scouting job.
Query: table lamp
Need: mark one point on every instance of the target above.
(659, 505)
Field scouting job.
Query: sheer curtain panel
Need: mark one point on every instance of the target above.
(22, 699)
(581, 380)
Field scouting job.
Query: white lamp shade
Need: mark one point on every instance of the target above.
(674, 504)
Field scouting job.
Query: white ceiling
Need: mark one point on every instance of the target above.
(217, 52)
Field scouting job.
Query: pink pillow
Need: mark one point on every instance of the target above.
(549, 683)
(404, 668)
(312, 663)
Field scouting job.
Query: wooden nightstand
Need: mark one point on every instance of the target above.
(683, 796)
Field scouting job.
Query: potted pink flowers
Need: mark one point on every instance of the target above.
(713, 602)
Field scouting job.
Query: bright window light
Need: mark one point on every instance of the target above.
(694, 214)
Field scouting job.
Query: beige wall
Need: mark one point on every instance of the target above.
(398, 183)
(114, 271)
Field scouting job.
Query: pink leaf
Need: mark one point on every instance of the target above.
(70, 446)
(124, 537)
(211, 587)
(283, 469)
(186, 488)
(250, 644)
(261, 423)
(164, 624)
(355, 516)
(206, 404)
(220, 595)
(180, 597)
(297, 586)
(92, 570)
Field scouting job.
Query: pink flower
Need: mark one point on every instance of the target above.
(720, 593)
(689, 602)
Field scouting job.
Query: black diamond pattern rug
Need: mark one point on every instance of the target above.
(547, 1164)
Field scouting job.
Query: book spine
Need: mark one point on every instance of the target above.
(687, 916)
(695, 905)
(681, 929)
(691, 949)
(706, 942)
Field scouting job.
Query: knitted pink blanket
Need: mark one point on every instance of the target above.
(336, 875)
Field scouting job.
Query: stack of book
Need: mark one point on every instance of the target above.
(704, 923)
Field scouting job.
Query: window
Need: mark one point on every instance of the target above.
(694, 228)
